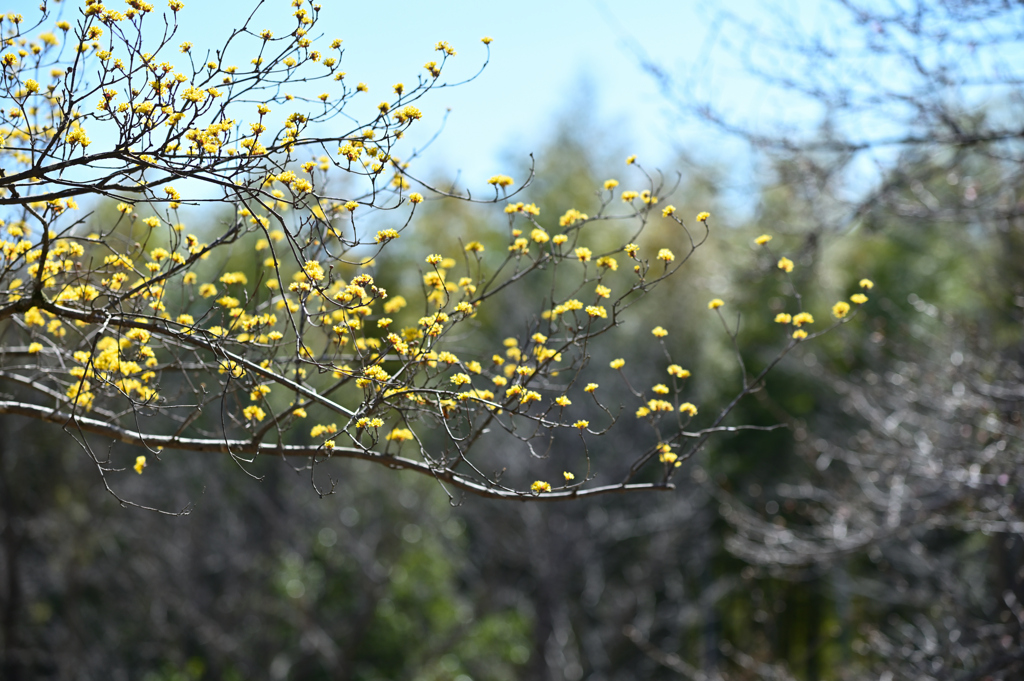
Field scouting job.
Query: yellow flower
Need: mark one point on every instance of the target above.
(859, 298)
(840, 309)
(253, 412)
(140, 463)
(661, 389)
(434, 259)
(667, 210)
(666, 455)
(539, 487)
(688, 408)
(591, 387)
(617, 363)
(666, 255)
(611, 184)
(802, 318)
(703, 216)
(867, 283)
(678, 371)
(399, 434)
(415, 197)
(313, 270)
(785, 264)
(799, 334)
(659, 331)
(581, 424)
(572, 216)
(487, 40)
(583, 254)
(631, 160)
(563, 401)
(763, 239)
(568, 476)
(193, 94)
(783, 318)
(500, 180)
(33, 348)
(715, 304)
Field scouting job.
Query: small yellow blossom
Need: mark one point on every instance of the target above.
(678, 371)
(785, 264)
(799, 334)
(715, 303)
(703, 216)
(867, 283)
(591, 387)
(539, 487)
(688, 408)
(501, 180)
(659, 331)
(841, 309)
(666, 255)
(802, 318)
(33, 348)
(617, 363)
(859, 298)
(399, 435)
(568, 476)
(763, 239)
(581, 424)
(783, 318)
(252, 412)
(140, 463)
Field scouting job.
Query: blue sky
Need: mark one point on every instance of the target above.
(544, 58)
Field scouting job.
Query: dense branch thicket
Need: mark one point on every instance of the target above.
(907, 496)
(153, 324)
